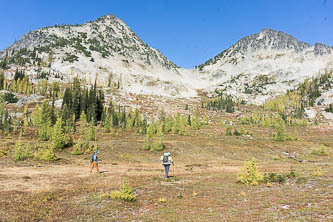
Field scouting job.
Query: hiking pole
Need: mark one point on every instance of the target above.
(173, 170)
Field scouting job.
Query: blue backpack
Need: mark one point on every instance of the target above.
(93, 157)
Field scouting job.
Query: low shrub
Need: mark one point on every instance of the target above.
(179, 195)
(155, 146)
(317, 172)
(228, 131)
(81, 146)
(10, 97)
(290, 138)
(236, 133)
(45, 154)
(162, 200)
(281, 178)
(292, 173)
(4, 152)
(274, 178)
(22, 152)
(250, 174)
(125, 193)
(158, 146)
(242, 130)
(77, 149)
(322, 151)
(146, 144)
(113, 132)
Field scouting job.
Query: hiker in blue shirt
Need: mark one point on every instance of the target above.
(94, 161)
(166, 162)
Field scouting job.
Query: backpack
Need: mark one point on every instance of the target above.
(93, 158)
(165, 160)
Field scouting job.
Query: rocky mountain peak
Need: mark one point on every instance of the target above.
(273, 40)
(106, 48)
(322, 49)
(107, 36)
(268, 40)
(109, 17)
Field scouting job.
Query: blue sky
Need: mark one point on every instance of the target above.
(188, 32)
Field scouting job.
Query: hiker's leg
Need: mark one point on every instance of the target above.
(97, 167)
(167, 171)
(91, 167)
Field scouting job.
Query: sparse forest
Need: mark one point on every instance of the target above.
(198, 136)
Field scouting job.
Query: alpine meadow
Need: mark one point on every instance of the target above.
(96, 125)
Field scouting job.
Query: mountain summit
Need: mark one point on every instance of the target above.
(106, 48)
(106, 37)
(265, 64)
(267, 39)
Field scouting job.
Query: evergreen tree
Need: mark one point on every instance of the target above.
(91, 112)
(67, 99)
(18, 75)
(2, 102)
(83, 122)
(44, 129)
(91, 132)
(58, 137)
(280, 130)
(36, 117)
(76, 98)
(2, 80)
(3, 63)
(108, 123)
(52, 111)
(99, 105)
(26, 116)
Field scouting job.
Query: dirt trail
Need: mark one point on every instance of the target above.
(51, 177)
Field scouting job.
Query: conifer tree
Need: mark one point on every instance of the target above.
(1, 112)
(26, 116)
(91, 112)
(108, 123)
(91, 132)
(44, 129)
(3, 63)
(280, 130)
(2, 80)
(76, 98)
(58, 137)
(52, 111)
(83, 122)
(36, 117)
